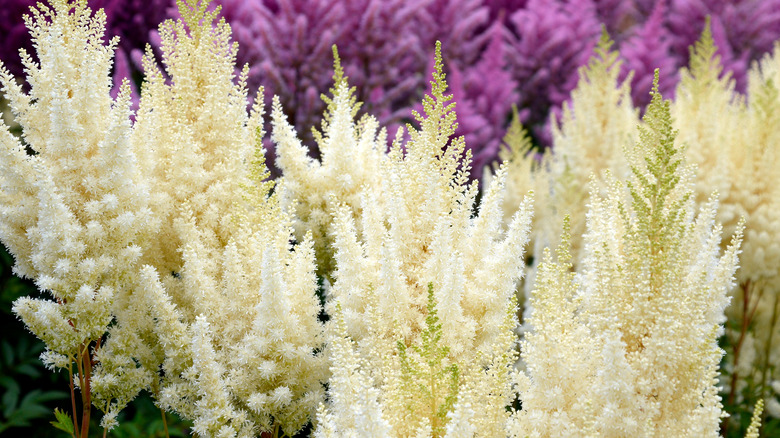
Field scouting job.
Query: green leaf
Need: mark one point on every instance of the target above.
(8, 354)
(63, 422)
(10, 399)
(28, 370)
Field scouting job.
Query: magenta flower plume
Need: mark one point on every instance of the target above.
(384, 46)
(287, 44)
(648, 49)
(13, 33)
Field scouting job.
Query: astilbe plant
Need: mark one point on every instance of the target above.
(133, 21)
(743, 30)
(75, 203)
(628, 344)
(148, 235)
(422, 271)
(598, 122)
(349, 153)
(741, 167)
(551, 41)
(385, 47)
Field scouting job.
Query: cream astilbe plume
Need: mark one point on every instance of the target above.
(708, 116)
(595, 126)
(637, 327)
(349, 154)
(755, 194)
(220, 323)
(424, 285)
(733, 141)
(589, 139)
(233, 301)
(74, 199)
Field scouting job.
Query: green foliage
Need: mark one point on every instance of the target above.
(64, 422)
(143, 419)
(427, 375)
(659, 211)
(20, 368)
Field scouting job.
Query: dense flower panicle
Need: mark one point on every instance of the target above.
(742, 168)
(420, 245)
(645, 310)
(707, 112)
(219, 223)
(288, 48)
(743, 30)
(181, 190)
(75, 213)
(595, 126)
(349, 153)
(483, 105)
(131, 20)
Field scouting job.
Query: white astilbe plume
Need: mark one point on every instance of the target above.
(733, 141)
(74, 199)
(422, 283)
(589, 139)
(349, 156)
(237, 295)
(221, 322)
(635, 331)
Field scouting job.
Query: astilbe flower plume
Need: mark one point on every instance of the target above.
(407, 248)
(385, 48)
(597, 123)
(159, 241)
(645, 310)
(77, 212)
(134, 22)
(742, 165)
(287, 45)
(649, 48)
(743, 31)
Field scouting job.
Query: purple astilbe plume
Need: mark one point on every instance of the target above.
(552, 39)
(287, 45)
(384, 46)
(384, 67)
(13, 33)
(618, 16)
(743, 30)
(458, 24)
(496, 7)
(647, 49)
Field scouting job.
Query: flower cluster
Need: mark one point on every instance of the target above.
(729, 140)
(372, 292)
